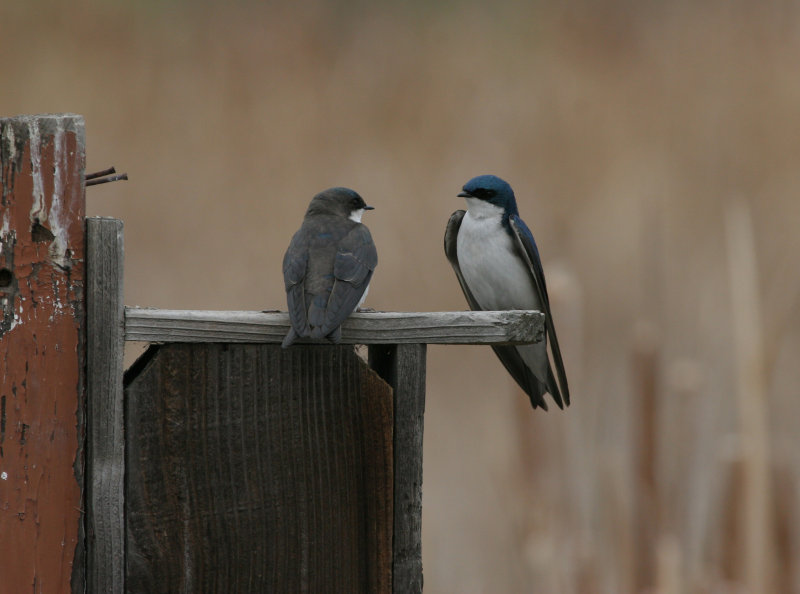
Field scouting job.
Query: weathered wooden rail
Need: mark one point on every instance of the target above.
(444, 327)
(218, 461)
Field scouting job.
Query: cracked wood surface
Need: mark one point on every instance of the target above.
(41, 340)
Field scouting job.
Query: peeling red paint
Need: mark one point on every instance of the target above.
(41, 340)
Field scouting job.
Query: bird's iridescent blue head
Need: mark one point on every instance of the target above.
(493, 190)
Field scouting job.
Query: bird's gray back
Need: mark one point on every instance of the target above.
(319, 237)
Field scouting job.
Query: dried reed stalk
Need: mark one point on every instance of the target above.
(755, 545)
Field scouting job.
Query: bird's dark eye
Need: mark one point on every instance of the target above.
(491, 193)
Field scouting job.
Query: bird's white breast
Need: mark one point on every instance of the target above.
(496, 275)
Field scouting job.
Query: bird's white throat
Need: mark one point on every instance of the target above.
(480, 209)
(356, 215)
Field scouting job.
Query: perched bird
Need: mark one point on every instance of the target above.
(497, 264)
(328, 265)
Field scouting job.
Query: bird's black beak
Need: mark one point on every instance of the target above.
(465, 194)
(369, 208)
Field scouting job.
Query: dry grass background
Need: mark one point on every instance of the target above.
(654, 149)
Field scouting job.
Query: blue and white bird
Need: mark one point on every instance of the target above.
(497, 264)
(328, 266)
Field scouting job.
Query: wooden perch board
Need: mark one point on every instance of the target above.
(449, 327)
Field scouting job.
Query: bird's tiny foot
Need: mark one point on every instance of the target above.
(365, 310)
(270, 311)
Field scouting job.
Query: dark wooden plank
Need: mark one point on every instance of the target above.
(105, 448)
(380, 327)
(41, 353)
(257, 469)
(404, 367)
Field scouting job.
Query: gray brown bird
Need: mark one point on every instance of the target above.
(328, 266)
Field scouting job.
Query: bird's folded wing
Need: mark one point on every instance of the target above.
(353, 266)
(295, 262)
(528, 249)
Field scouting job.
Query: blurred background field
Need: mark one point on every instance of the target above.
(655, 151)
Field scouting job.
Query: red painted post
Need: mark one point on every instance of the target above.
(41, 353)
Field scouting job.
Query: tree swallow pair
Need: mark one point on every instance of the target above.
(328, 266)
(497, 264)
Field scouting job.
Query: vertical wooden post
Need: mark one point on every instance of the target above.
(105, 450)
(403, 368)
(41, 352)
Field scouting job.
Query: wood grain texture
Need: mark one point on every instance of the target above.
(404, 368)
(450, 327)
(41, 353)
(257, 469)
(105, 451)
